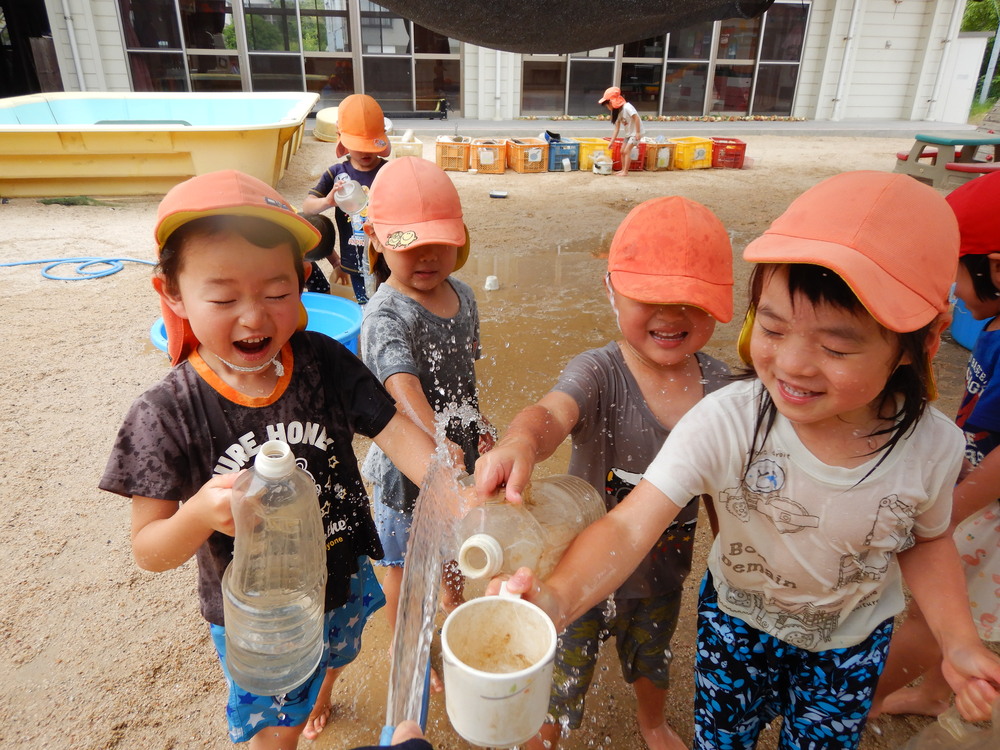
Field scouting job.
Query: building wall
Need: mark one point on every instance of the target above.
(95, 28)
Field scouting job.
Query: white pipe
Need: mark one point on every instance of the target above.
(496, 102)
(852, 28)
(956, 23)
(71, 32)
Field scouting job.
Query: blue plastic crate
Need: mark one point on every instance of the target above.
(565, 148)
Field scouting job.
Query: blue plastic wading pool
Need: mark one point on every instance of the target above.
(337, 317)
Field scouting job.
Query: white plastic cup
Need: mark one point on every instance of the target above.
(498, 654)
(492, 284)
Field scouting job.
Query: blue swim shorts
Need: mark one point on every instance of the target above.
(247, 713)
(393, 530)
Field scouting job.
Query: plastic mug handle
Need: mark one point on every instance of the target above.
(506, 593)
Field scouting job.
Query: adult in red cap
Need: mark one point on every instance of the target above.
(625, 118)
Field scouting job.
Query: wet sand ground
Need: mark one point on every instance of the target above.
(98, 654)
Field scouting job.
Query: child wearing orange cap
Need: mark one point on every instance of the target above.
(420, 336)
(624, 117)
(669, 279)
(229, 278)
(362, 139)
(831, 477)
(976, 508)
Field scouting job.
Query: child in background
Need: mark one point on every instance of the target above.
(669, 279)
(625, 117)
(325, 250)
(362, 139)
(830, 475)
(420, 336)
(976, 508)
(229, 277)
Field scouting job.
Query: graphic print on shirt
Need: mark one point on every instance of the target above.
(892, 521)
(760, 492)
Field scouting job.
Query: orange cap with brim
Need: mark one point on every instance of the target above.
(977, 207)
(413, 202)
(892, 239)
(361, 124)
(674, 251)
(613, 95)
(225, 193)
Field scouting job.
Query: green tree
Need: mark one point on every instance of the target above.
(983, 15)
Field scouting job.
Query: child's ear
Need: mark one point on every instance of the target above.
(171, 300)
(308, 268)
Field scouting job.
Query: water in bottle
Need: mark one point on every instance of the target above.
(274, 589)
(499, 537)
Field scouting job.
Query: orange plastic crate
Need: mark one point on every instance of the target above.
(452, 154)
(638, 162)
(659, 157)
(528, 155)
(728, 153)
(489, 155)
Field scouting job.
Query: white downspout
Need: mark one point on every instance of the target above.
(852, 28)
(71, 32)
(956, 23)
(496, 98)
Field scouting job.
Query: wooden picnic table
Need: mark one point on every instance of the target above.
(942, 149)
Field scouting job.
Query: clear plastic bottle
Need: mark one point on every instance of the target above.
(274, 589)
(499, 537)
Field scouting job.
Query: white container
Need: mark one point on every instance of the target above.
(492, 284)
(499, 537)
(350, 197)
(274, 590)
(602, 164)
(498, 653)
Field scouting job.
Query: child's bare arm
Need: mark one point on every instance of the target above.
(933, 572)
(313, 204)
(601, 557)
(533, 435)
(410, 399)
(165, 533)
(978, 488)
(408, 446)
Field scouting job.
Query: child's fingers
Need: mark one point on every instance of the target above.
(975, 700)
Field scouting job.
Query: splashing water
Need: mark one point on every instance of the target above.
(438, 509)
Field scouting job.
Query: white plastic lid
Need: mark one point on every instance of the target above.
(274, 460)
(480, 556)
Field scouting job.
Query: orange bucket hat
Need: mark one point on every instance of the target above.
(675, 251)
(614, 95)
(225, 193)
(361, 124)
(413, 202)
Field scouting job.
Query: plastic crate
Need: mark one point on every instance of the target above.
(412, 147)
(564, 148)
(527, 154)
(638, 162)
(728, 153)
(659, 157)
(453, 153)
(489, 155)
(589, 148)
(691, 152)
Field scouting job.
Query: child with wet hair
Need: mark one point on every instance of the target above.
(229, 277)
(420, 336)
(669, 280)
(830, 473)
(976, 507)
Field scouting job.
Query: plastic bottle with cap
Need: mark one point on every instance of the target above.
(499, 537)
(351, 198)
(274, 589)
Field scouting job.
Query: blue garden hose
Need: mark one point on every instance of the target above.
(84, 268)
(385, 739)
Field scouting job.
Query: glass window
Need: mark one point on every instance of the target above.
(325, 26)
(738, 39)
(784, 30)
(775, 89)
(692, 43)
(543, 86)
(154, 71)
(652, 47)
(215, 73)
(383, 32)
(430, 42)
(641, 85)
(150, 24)
(330, 77)
(731, 88)
(388, 79)
(273, 27)
(602, 53)
(587, 81)
(203, 24)
(437, 79)
(684, 93)
(276, 72)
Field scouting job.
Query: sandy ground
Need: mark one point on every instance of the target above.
(95, 653)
